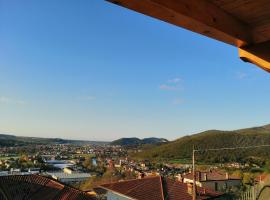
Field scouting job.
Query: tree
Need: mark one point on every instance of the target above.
(88, 163)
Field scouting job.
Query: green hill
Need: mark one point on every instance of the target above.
(136, 141)
(182, 147)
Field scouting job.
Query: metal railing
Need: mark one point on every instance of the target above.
(252, 193)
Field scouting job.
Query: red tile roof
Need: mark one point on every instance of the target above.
(157, 188)
(147, 188)
(37, 187)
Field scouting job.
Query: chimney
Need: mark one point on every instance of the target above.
(180, 177)
(141, 176)
(190, 188)
(227, 175)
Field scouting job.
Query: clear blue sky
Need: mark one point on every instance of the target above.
(92, 70)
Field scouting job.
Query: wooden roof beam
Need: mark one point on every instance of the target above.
(258, 54)
(199, 16)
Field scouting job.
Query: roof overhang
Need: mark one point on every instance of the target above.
(243, 24)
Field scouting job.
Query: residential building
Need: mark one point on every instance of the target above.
(216, 181)
(75, 177)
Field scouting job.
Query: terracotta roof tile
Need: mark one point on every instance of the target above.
(157, 188)
(146, 188)
(37, 187)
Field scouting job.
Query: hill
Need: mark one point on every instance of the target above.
(136, 141)
(182, 147)
(12, 140)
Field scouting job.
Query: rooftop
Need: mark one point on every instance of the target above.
(157, 188)
(37, 187)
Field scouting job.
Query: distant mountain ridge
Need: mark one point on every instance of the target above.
(136, 141)
(182, 148)
(12, 140)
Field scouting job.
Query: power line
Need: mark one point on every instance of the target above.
(231, 148)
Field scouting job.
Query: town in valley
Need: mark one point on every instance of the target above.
(100, 169)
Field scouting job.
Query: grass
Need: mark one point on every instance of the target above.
(180, 161)
(86, 155)
(186, 161)
(8, 157)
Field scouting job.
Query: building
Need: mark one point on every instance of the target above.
(155, 188)
(68, 170)
(37, 187)
(216, 181)
(69, 178)
(262, 178)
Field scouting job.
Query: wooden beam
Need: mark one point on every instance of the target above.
(199, 16)
(258, 54)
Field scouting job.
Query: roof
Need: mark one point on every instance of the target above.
(36, 187)
(211, 176)
(157, 188)
(241, 23)
(147, 188)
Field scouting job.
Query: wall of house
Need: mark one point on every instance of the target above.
(215, 185)
(220, 185)
(115, 196)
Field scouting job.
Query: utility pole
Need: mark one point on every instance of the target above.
(194, 175)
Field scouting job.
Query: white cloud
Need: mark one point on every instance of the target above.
(171, 85)
(175, 80)
(241, 75)
(8, 100)
(168, 87)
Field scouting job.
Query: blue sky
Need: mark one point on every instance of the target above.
(93, 70)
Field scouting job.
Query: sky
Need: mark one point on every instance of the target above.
(92, 70)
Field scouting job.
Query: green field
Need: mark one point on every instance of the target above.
(180, 161)
(8, 157)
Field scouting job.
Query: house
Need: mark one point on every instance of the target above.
(74, 177)
(216, 181)
(155, 188)
(262, 178)
(68, 170)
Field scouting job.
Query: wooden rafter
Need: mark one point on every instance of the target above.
(257, 54)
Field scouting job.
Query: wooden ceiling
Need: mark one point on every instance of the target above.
(254, 13)
(242, 23)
